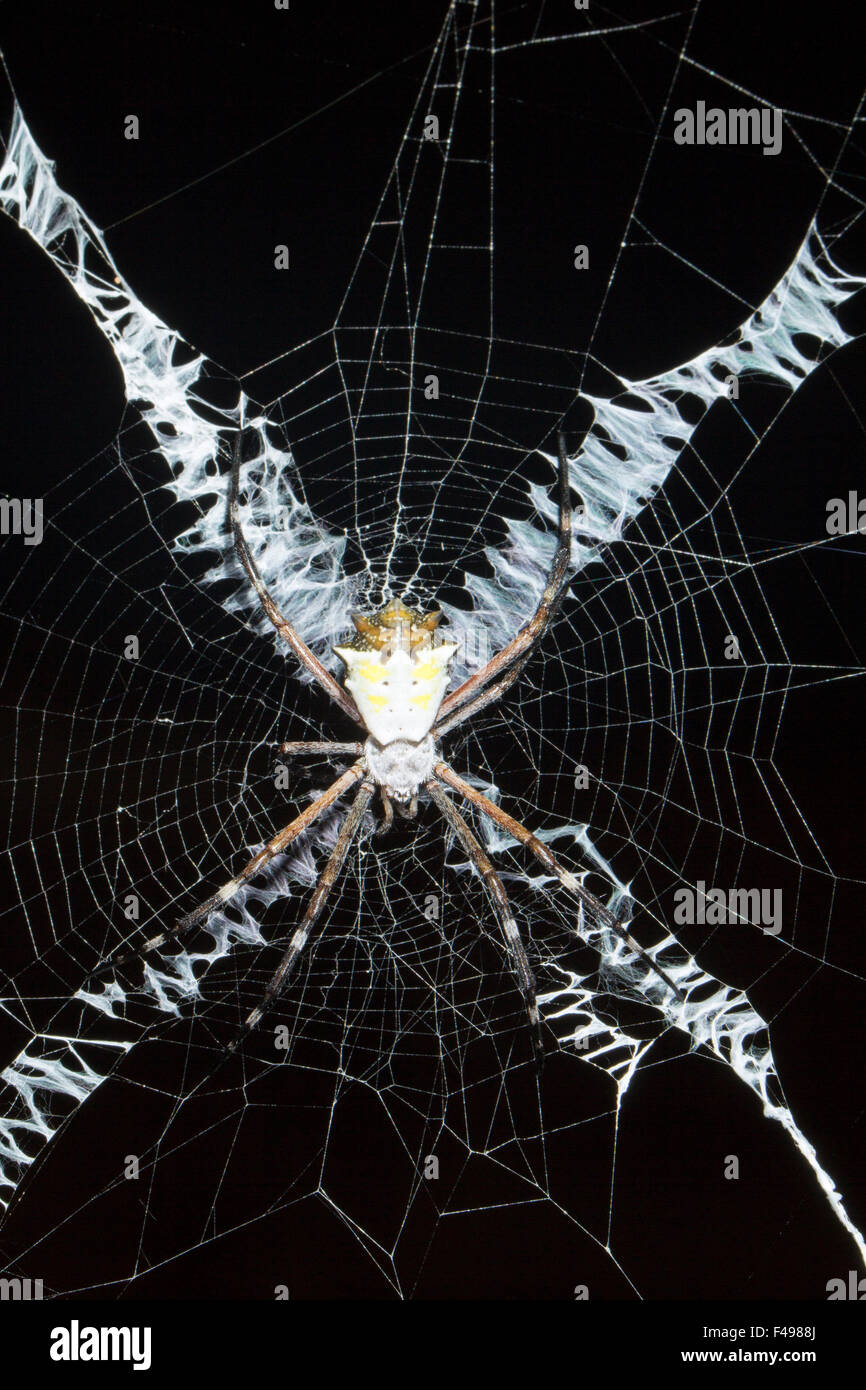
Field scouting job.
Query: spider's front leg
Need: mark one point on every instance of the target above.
(274, 846)
(348, 831)
(501, 906)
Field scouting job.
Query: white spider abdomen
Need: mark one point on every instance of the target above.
(400, 767)
(399, 697)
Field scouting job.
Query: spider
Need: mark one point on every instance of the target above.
(397, 672)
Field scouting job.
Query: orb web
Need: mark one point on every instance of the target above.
(389, 1110)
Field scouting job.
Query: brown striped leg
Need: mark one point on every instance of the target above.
(273, 847)
(356, 749)
(541, 852)
(348, 831)
(480, 701)
(328, 683)
(493, 884)
(531, 632)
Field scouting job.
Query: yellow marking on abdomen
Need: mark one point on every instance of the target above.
(372, 672)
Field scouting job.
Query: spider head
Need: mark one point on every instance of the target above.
(397, 671)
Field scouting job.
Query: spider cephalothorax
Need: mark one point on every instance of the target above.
(397, 673)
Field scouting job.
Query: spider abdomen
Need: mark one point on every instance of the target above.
(400, 767)
(399, 697)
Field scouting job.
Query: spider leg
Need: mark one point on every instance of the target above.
(348, 831)
(484, 698)
(499, 898)
(283, 626)
(541, 852)
(301, 747)
(522, 644)
(388, 819)
(228, 890)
